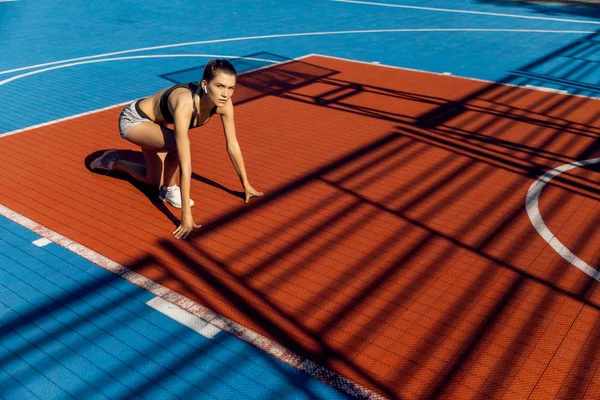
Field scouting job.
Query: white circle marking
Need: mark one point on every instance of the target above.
(533, 211)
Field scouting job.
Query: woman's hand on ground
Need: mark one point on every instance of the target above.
(185, 228)
(251, 192)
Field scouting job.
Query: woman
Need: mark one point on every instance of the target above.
(186, 106)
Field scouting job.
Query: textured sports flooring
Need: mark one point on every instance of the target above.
(393, 246)
(430, 223)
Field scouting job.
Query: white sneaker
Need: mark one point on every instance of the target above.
(105, 161)
(172, 195)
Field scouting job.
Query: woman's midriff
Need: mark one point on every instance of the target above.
(150, 106)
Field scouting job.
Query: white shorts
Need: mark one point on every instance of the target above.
(131, 116)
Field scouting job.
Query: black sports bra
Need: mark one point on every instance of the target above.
(164, 102)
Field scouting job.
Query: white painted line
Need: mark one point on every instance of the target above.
(14, 78)
(288, 35)
(448, 10)
(42, 242)
(183, 317)
(56, 121)
(447, 73)
(216, 56)
(533, 211)
(546, 89)
(438, 73)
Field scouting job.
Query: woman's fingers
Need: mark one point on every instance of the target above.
(178, 232)
(183, 233)
(253, 194)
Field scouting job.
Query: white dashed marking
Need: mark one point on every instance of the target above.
(41, 242)
(183, 317)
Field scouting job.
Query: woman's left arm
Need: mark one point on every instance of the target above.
(234, 151)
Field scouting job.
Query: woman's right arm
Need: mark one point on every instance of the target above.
(182, 109)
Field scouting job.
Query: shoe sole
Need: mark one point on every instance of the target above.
(165, 200)
(100, 158)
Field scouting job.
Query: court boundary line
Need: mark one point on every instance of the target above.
(376, 64)
(63, 119)
(212, 318)
(323, 374)
(449, 10)
(543, 89)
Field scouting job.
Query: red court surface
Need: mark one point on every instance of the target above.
(393, 244)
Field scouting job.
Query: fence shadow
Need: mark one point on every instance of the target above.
(372, 246)
(581, 8)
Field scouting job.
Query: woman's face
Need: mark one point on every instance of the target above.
(220, 89)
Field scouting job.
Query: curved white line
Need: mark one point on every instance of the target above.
(533, 211)
(448, 10)
(275, 36)
(38, 71)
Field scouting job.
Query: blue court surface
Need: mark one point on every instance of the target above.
(84, 56)
(71, 329)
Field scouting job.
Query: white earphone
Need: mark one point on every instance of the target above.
(205, 90)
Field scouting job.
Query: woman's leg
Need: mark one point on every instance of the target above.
(160, 154)
(137, 171)
(149, 173)
(149, 135)
(161, 160)
(171, 167)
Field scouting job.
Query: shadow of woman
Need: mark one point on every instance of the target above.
(151, 192)
(212, 183)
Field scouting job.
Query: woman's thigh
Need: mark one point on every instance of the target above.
(151, 136)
